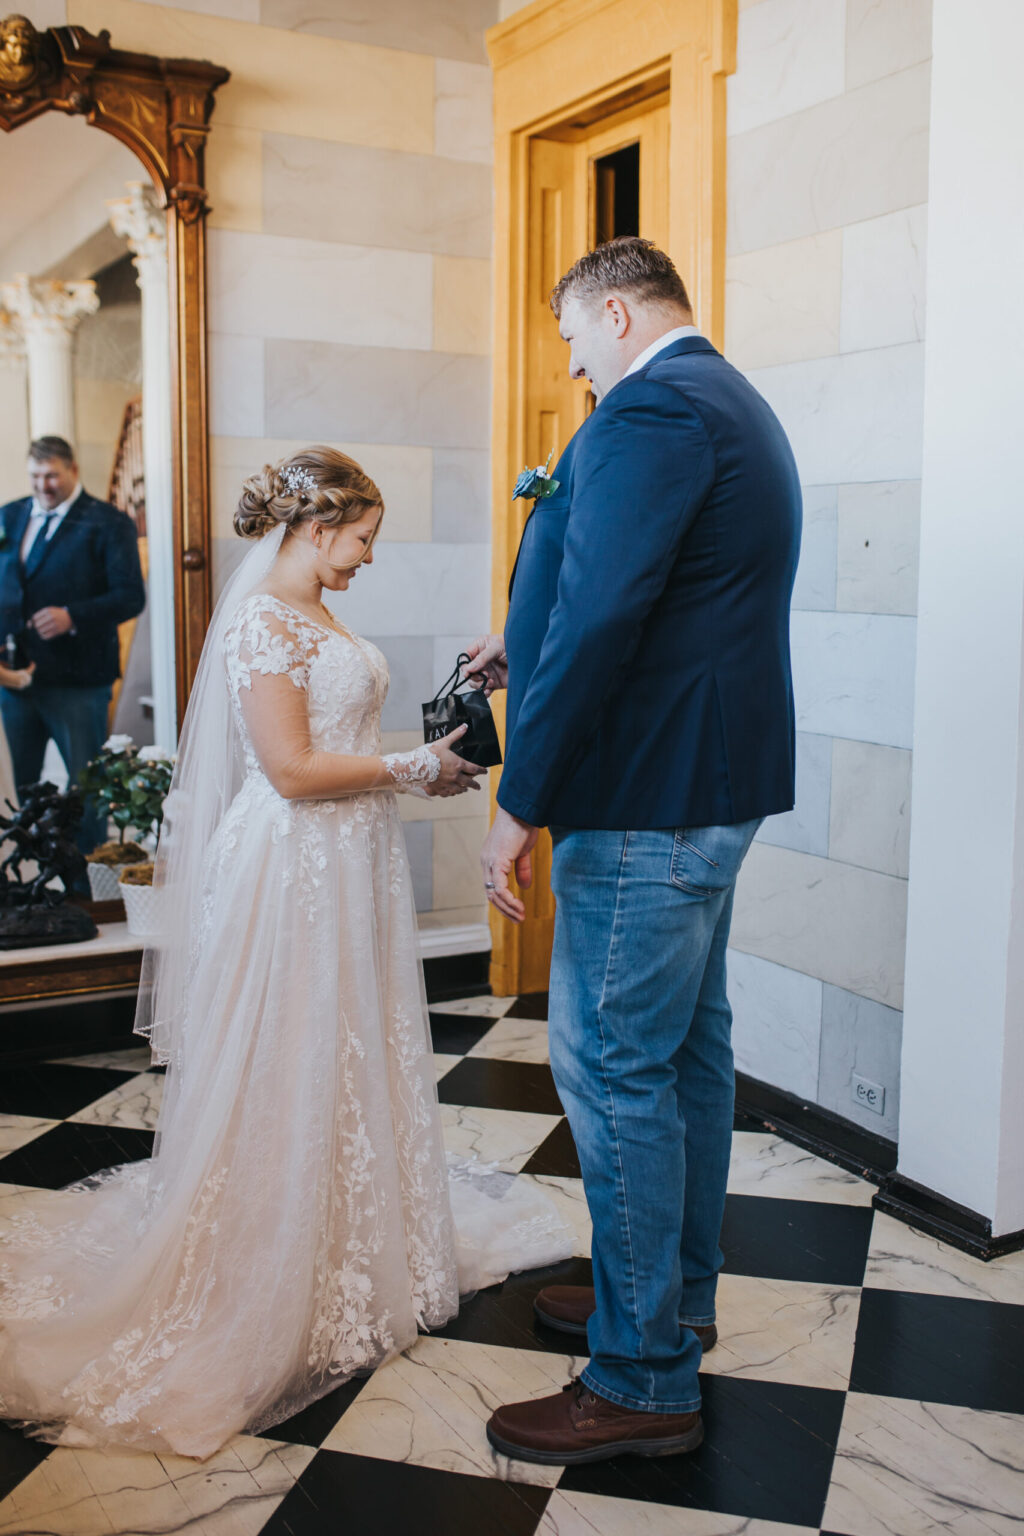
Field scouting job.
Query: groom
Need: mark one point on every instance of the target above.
(650, 727)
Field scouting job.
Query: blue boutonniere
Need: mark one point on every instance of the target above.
(536, 482)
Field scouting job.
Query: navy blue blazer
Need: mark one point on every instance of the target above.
(648, 628)
(90, 567)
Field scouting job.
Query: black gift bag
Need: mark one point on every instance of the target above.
(448, 709)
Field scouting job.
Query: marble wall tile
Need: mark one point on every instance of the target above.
(859, 1036)
(409, 662)
(853, 676)
(234, 176)
(917, 1468)
(880, 39)
(815, 585)
(843, 925)
(883, 280)
(404, 475)
(454, 29)
(851, 418)
(901, 1259)
(776, 1021)
(419, 844)
(318, 390)
(768, 1166)
(236, 383)
(236, 10)
(870, 813)
(806, 826)
(784, 1330)
(856, 156)
(463, 127)
(790, 55)
(457, 844)
(319, 87)
(312, 290)
(462, 495)
(462, 305)
(878, 532)
(351, 193)
(399, 594)
(782, 304)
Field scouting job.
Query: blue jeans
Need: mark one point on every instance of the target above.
(640, 1028)
(76, 718)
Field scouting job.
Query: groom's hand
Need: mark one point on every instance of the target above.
(488, 664)
(508, 847)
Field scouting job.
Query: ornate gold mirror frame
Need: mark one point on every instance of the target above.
(159, 108)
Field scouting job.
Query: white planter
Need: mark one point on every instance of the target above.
(103, 880)
(144, 909)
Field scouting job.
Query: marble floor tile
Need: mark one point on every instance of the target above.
(443, 1063)
(133, 1059)
(15, 1199)
(763, 1164)
(136, 1104)
(507, 1137)
(18, 1130)
(907, 1468)
(784, 1330)
(515, 1040)
(111, 1493)
(571, 1203)
(477, 1007)
(595, 1514)
(429, 1407)
(901, 1259)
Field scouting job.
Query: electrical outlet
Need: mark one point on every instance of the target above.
(869, 1095)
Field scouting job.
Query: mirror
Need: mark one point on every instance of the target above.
(86, 358)
(103, 338)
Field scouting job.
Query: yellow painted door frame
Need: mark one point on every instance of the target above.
(573, 79)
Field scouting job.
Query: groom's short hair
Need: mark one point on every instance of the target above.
(628, 265)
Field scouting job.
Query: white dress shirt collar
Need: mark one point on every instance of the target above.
(657, 346)
(38, 515)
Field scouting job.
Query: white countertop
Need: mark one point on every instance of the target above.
(112, 939)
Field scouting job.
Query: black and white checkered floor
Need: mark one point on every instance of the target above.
(869, 1381)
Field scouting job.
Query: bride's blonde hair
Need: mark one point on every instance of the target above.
(320, 483)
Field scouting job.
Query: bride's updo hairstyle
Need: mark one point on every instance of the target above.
(318, 483)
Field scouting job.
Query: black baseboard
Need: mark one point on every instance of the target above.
(449, 977)
(873, 1158)
(821, 1132)
(943, 1219)
(68, 1027)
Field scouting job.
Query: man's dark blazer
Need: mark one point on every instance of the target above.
(648, 628)
(90, 567)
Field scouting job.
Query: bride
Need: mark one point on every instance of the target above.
(298, 1221)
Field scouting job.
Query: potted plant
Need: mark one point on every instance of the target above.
(146, 790)
(106, 780)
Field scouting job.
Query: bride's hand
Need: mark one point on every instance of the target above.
(456, 774)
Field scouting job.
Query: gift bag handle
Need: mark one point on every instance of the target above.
(451, 682)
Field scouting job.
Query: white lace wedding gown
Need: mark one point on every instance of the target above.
(295, 1224)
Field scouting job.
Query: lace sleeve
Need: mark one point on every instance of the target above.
(410, 770)
(261, 641)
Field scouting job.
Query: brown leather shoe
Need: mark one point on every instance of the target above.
(575, 1425)
(568, 1308)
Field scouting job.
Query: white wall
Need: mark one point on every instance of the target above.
(827, 218)
(962, 1128)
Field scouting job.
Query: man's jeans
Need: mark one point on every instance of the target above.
(76, 718)
(641, 1053)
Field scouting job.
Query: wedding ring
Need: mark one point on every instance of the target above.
(488, 885)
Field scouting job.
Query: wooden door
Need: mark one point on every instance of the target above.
(567, 207)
